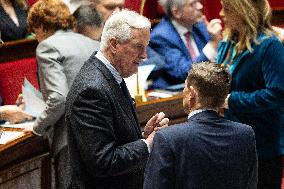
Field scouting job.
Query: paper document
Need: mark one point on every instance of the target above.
(34, 104)
(31, 88)
(7, 136)
(18, 125)
(131, 82)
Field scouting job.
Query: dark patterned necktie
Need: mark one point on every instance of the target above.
(125, 92)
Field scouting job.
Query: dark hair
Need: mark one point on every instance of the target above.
(212, 81)
(87, 15)
(52, 15)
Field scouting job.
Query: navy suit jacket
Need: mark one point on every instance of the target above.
(103, 132)
(166, 41)
(205, 152)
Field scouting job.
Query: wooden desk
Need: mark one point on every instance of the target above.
(26, 162)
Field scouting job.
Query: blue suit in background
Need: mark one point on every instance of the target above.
(166, 41)
(207, 152)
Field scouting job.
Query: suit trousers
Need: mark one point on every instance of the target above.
(62, 169)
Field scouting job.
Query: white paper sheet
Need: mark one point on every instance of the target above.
(18, 125)
(34, 106)
(131, 82)
(9, 135)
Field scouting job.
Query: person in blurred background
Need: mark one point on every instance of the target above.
(60, 55)
(255, 58)
(183, 38)
(89, 21)
(13, 19)
(107, 7)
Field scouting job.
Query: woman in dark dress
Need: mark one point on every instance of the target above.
(13, 19)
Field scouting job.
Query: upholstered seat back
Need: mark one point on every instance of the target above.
(12, 76)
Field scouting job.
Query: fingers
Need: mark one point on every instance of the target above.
(159, 128)
(164, 121)
(160, 117)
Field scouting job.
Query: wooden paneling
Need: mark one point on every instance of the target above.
(16, 50)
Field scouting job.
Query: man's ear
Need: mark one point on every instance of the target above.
(193, 92)
(113, 45)
(176, 13)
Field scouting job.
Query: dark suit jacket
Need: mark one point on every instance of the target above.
(104, 135)
(207, 152)
(166, 41)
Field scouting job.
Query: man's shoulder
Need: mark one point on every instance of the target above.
(62, 40)
(163, 28)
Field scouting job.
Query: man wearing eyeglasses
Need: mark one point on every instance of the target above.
(182, 37)
(107, 7)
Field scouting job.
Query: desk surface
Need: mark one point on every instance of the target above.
(29, 145)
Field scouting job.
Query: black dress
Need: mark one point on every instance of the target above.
(9, 30)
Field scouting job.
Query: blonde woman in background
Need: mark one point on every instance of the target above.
(255, 58)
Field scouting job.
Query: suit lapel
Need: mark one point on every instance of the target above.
(175, 38)
(119, 96)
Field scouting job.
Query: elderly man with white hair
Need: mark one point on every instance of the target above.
(106, 145)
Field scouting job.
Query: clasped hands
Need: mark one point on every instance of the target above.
(156, 123)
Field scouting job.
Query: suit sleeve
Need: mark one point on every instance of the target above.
(177, 61)
(95, 131)
(160, 173)
(272, 96)
(53, 79)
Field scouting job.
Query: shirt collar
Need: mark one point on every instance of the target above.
(180, 28)
(197, 112)
(112, 69)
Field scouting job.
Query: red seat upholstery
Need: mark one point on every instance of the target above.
(12, 76)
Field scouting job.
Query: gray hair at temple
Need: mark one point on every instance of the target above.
(120, 25)
(169, 4)
(212, 81)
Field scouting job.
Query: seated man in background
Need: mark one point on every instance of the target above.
(60, 55)
(208, 151)
(88, 21)
(181, 38)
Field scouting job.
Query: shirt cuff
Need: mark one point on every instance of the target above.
(148, 146)
(36, 133)
(210, 52)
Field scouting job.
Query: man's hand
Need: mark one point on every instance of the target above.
(20, 101)
(13, 114)
(157, 122)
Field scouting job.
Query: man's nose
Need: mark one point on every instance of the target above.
(144, 53)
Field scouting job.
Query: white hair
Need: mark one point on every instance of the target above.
(119, 26)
